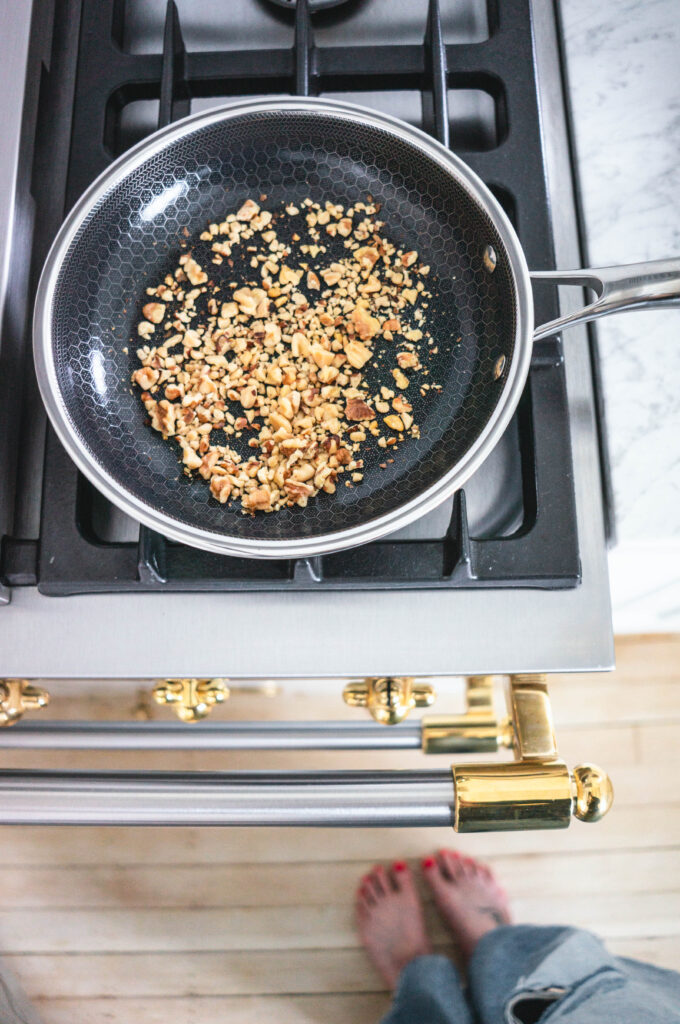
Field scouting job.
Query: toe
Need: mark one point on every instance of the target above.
(469, 867)
(366, 890)
(401, 878)
(433, 874)
(450, 864)
(429, 866)
(379, 881)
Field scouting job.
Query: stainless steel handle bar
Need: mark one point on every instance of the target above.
(653, 285)
(356, 799)
(86, 735)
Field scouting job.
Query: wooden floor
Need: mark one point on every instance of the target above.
(179, 926)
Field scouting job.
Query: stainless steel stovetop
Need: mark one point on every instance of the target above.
(310, 634)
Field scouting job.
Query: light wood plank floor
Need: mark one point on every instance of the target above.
(179, 926)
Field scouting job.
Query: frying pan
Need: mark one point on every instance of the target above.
(125, 234)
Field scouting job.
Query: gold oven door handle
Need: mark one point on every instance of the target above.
(536, 790)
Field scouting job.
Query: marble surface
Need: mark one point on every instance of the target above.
(624, 70)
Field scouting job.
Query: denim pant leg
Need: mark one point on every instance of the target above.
(14, 1006)
(429, 991)
(501, 958)
(517, 965)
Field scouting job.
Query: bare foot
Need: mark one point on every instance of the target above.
(390, 920)
(467, 896)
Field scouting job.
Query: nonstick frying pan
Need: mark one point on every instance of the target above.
(125, 232)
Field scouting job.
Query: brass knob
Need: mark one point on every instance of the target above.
(593, 792)
(191, 699)
(18, 696)
(389, 699)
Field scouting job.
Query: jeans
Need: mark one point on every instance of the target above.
(519, 974)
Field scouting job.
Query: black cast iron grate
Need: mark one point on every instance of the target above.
(70, 557)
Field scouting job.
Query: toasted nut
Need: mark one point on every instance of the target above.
(146, 377)
(154, 311)
(298, 490)
(300, 346)
(407, 360)
(279, 422)
(145, 329)
(249, 299)
(364, 324)
(248, 210)
(394, 422)
(331, 276)
(289, 276)
(357, 409)
(190, 458)
(409, 258)
(367, 256)
(345, 227)
(194, 272)
(163, 415)
(400, 379)
(258, 499)
(272, 333)
(248, 397)
(401, 404)
(312, 280)
(357, 354)
(321, 355)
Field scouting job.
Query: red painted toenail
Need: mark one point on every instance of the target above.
(429, 862)
(399, 865)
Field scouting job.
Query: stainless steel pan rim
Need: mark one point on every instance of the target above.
(351, 537)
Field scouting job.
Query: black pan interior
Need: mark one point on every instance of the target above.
(132, 238)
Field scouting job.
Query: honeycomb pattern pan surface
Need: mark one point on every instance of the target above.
(125, 235)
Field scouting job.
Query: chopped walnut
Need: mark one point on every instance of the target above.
(260, 385)
(145, 329)
(146, 377)
(357, 354)
(194, 273)
(364, 324)
(357, 409)
(248, 210)
(367, 256)
(260, 498)
(154, 311)
(407, 360)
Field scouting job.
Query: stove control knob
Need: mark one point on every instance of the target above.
(389, 699)
(191, 699)
(17, 696)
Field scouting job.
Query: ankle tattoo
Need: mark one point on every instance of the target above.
(493, 913)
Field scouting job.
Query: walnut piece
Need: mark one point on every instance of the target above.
(357, 409)
(154, 311)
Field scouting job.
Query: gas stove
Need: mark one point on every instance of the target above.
(510, 575)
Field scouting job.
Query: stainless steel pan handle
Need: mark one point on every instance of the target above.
(618, 289)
